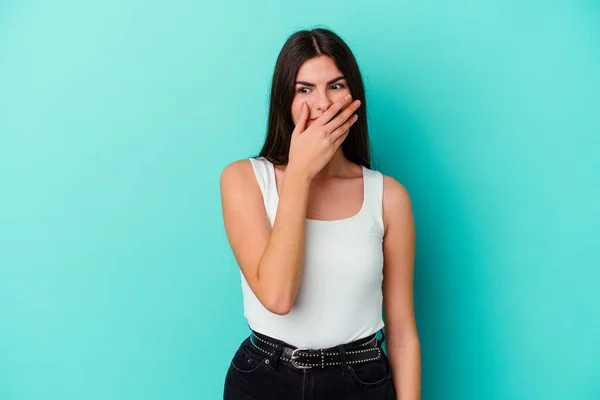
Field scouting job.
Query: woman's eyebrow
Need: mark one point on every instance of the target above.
(312, 84)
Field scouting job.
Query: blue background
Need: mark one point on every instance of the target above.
(117, 117)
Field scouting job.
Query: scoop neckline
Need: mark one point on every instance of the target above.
(320, 221)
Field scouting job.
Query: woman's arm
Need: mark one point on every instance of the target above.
(403, 347)
(270, 259)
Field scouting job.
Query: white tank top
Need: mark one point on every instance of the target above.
(339, 298)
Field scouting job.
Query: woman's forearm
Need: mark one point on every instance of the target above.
(405, 360)
(280, 267)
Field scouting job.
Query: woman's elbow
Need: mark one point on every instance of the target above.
(278, 306)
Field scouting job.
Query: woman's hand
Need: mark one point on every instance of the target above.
(311, 149)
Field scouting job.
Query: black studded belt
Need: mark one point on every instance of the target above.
(357, 352)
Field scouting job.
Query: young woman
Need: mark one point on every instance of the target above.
(324, 243)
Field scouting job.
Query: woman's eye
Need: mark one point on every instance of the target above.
(340, 86)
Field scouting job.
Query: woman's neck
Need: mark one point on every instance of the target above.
(338, 166)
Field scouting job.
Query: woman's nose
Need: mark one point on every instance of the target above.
(322, 101)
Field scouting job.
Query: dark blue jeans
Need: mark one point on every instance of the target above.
(253, 375)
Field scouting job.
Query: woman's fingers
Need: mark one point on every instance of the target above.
(338, 135)
(332, 111)
(341, 139)
(301, 124)
(343, 117)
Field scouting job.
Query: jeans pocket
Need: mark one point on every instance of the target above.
(246, 361)
(371, 374)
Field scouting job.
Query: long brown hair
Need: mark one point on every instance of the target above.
(300, 47)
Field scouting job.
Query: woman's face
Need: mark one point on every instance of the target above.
(319, 83)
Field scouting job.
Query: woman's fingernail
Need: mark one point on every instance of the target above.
(348, 97)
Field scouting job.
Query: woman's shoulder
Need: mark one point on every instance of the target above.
(394, 192)
(396, 202)
(237, 171)
(393, 186)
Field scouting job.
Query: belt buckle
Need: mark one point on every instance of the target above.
(294, 361)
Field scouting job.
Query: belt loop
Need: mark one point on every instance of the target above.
(380, 341)
(343, 359)
(276, 354)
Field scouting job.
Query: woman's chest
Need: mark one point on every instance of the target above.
(338, 251)
(332, 200)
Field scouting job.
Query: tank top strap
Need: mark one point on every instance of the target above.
(261, 172)
(373, 181)
(263, 169)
